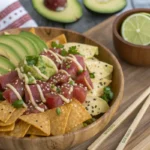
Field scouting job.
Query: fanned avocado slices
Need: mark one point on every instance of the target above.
(37, 40)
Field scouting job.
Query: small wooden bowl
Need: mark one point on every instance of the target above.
(69, 140)
(133, 54)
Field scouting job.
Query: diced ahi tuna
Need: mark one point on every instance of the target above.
(53, 100)
(84, 78)
(70, 67)
(80, 60)
(59, 78)
(56, 50)
(32, 109)
(79, 93)
(45, 88)
(7, 78)
(10, 95)
(50, 54)
(66, 90)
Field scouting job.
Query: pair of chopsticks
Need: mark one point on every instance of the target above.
(121, 118)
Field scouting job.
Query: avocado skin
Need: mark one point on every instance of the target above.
(70, 14)
(105, 8)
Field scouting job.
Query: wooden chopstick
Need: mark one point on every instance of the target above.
(117, 122)
(133, 126)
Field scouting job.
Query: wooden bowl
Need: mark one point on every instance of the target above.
(69, 140)
(133, 54)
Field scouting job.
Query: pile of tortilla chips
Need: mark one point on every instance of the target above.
(14, 123)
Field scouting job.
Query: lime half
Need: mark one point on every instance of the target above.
(136, 29)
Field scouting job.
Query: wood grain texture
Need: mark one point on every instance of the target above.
(136, 81)
(133, 54)
(74, 138)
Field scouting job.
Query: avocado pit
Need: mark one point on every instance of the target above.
(55, 5)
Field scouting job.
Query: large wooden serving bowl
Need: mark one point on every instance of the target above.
(69, 140)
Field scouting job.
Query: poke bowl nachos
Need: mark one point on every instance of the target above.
(50, 88)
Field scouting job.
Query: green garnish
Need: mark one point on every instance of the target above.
(85, 124)
(32, 60)
(1, 96)
(64, 52)
(58, 111)
(108, 94)
(18, 103)
(68, 66)
(79, 72)
(71, 82)
(52, 86)
(92, 75)
(73, 50)
(58, 90)
(56, 45)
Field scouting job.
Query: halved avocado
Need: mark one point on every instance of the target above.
(71, 13)
(41, 44)
(8, 52)
(32, 50)
(6, 64)
(17, 46)
(105, 6)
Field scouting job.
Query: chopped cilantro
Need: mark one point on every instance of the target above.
(56, 45)
(58, 111)
(71, 82)
(18, 103)
(73, 50)
(92, 75)
(1, 96)
(79, 72)
(32, 60)
(64, 52)
(52, 86)
(68, 66)
(108, 94)
(58, 90)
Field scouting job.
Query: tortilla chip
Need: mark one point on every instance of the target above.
(59, 122)
(6, 110)
(39, 121)
(7, 128)
(32, 30)
(77, 115)
(15, 115)
(61, 39)
(33, 136)
(20, 129)
(34, 131)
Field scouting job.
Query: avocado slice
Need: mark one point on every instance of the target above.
(71, 13)
(8, 52)
(41, 44)
(17, 46)
(105, 6)
(3, 71)
(32, 50)
(6, 64)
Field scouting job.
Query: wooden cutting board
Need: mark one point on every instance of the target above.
(137, 79)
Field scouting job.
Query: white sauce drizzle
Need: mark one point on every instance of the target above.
(64, 98)
(16, 92)
(32, 99)
(71, 90)
(75, 60)
(41, 93)
(88, 84)
(39, 72)
(64, 72)
(54, 65)
(60, 56)
(25, 78)
(57, 58)
(21, 76)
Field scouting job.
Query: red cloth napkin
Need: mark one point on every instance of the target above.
(14, 15)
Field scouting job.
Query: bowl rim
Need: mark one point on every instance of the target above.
(117, 20)
(119, 96)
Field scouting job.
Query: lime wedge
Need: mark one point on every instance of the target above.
(136, 29)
